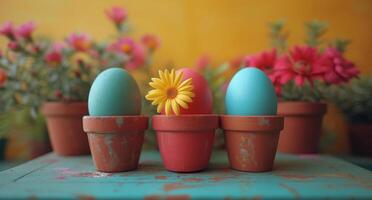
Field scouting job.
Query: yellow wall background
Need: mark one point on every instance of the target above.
(222, 29)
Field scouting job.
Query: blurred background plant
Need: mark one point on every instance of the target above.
(36, 69)
(354, 99)
(301, 72)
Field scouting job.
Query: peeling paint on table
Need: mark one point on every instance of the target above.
(294, 177)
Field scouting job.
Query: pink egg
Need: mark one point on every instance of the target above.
(202, 102)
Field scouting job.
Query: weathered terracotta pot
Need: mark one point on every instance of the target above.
(3, 142)
(115, 141)
(361, 139)
(185, 141)
(251, 141)
(64, 120)
(302, 127)
(39, 148)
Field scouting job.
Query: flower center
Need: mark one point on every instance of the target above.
(172, 92)
(126, 48)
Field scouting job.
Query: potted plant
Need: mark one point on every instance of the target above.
(355, 101)
(300, 74)
(251, 125)
(114, 126)
(62, 72)
(185, 130)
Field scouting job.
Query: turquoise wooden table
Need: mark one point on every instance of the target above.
(294, 177)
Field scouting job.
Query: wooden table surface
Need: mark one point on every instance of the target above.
(294, 177)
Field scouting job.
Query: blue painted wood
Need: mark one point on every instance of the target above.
(294, 177)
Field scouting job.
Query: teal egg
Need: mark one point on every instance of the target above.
(250, 93)
(114, 93)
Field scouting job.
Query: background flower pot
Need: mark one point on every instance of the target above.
(302, 126)
(361, 139)
(38, 148)
(251, 142)
(185, 141)
(64, 121)
(3, 142)
(115, 141)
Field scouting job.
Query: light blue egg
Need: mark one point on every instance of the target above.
(114, 93)
(251, 93)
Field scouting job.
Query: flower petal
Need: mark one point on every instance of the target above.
(175, 107)
(186, 88)
(186, 82)
(187, 93)
(184, 98)
(171, 77)
(178, 79)
(182, 103)
(160, 107)
(157, 83)
(167, 107)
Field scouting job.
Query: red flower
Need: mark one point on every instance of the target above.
(7, 29)
(134, 51)
(150, 41)
(25, 30)
(58, 94)
(137, 58)
(265, 61)
(202, 63)
(12, 45)
(340, 70)
(54, 56)
(3, 77)
(117, 14)
(79, 41)
(123, 45)
(301, 64)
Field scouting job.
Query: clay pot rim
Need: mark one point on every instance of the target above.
(115, 124)
(265, 123)
(298, 108)
(64, 108)
(191, 123)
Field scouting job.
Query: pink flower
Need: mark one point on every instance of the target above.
(7, 29)
(134, 51)
(53, 58)
(265, 61)
(3, 77)
(137, 58)
(25, 30)
(202, 63)
(79, 41)
(301, 64)
(54, 55)
(117, 14)
(340, 70)
(123, 45)
(12, 45)
(150, 41)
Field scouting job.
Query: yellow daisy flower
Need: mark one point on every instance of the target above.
(170, 93)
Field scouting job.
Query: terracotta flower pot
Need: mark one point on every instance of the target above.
(3, 142)
(115, 141)
(251, 141)
(185, 141)
(65, 127)
(361, 139)
(302, 126)
(39, 148)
